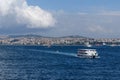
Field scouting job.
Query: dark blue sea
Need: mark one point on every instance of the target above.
(58, 63)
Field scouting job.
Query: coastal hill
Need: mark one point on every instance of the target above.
(28, 35)
(74, 36)
(32, 39)
(39, 36)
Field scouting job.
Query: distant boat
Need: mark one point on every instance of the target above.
(87, 53)
(104, 44)
(113, 45)
(48, 45)
(87, 44)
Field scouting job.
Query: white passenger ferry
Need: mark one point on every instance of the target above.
(87, 53)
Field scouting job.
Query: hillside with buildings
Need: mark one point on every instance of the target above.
(47, 41)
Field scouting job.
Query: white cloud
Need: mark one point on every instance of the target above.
(82, 13)
(90, 24)
(98, 29)
(109, 13)
(23, 14)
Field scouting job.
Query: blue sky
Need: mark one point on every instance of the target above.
(77, 5)
(90, 18)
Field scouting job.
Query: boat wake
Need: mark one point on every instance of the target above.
(52, 52)
(56, 52)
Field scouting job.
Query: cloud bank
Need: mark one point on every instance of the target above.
(15, 13)
(16, 16)
(98, 25)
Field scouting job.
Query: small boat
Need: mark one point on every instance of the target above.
(87, 44)
(87, 53)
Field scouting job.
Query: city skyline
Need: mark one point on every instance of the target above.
(90, 18)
